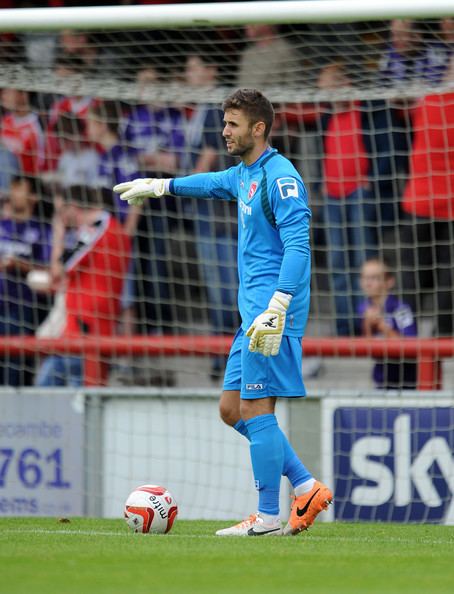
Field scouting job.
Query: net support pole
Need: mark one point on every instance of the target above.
(429, 373)
(429, 370)
(96, 371)
(97, 351)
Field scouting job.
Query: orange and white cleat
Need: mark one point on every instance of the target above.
(306, 508)
(253, 526)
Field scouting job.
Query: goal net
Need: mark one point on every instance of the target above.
(364, 102)
(364, 106)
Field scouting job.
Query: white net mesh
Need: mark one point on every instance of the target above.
(364, 110)
(283, 60)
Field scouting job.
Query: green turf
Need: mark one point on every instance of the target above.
(43, 556)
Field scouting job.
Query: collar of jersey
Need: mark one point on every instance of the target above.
(265, 153)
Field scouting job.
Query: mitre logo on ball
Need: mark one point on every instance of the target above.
(150, 509)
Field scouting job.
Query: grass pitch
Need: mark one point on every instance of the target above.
(43, 556)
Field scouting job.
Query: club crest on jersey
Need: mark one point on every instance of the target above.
(252, 189)
(288, 188)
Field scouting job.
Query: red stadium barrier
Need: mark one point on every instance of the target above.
(427, 351)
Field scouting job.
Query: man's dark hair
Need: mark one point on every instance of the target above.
(84, 196)
(69, 126)
(44, 207)
(387, 268)
(34, 184)
(255, 106)
(109, 113)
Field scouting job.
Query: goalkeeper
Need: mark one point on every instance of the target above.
(274, 261)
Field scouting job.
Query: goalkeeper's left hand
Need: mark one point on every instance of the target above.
(266, 330)
(137, 190)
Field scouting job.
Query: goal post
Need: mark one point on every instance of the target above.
(218, 13)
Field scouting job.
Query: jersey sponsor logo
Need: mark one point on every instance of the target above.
(9, 247)
(31, 235)
(247, 210)
(254, 387)
(252, 189)
(403, 317)
(288, 187)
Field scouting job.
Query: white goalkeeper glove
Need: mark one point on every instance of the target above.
(137, 190)
(266, 330)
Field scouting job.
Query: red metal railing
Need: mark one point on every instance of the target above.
(428, 352)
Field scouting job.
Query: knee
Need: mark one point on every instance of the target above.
(227, 413)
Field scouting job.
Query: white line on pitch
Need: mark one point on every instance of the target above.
(97, 533)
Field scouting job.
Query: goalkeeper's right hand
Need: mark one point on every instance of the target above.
(137, 190)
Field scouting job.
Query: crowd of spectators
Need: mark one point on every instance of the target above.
(384, 165)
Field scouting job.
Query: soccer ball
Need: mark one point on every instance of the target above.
(150, 508)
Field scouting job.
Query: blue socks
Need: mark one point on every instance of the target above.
(294, 469)
(266, 436)
(267, 456)
(240, 426)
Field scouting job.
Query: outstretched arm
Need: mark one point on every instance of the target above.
(219, 185)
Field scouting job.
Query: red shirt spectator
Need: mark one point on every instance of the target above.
(346, 162)
(428, 203)
(76, 106)
(20, 131)
(95, 274)
(429, 192)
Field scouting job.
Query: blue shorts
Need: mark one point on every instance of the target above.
(257, 376)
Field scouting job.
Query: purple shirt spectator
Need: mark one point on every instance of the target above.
(151, 129)
(117, 165)
(394, 374)
(26, 240)
(427, 65)
(411, 58)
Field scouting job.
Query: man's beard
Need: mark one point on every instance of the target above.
(241, 150)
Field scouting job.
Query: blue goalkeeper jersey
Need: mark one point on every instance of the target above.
(273, 232)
